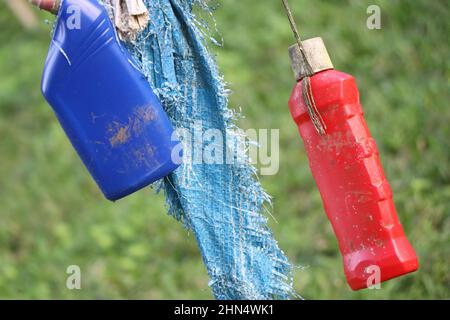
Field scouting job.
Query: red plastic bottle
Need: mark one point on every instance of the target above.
(346, 167)
(48, 5)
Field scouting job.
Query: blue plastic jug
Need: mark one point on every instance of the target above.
(105, 105)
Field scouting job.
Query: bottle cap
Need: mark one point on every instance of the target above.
(48, 5)
(317, 58)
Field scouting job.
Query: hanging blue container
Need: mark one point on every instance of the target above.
(104, 103)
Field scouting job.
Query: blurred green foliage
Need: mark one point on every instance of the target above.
(53, 216)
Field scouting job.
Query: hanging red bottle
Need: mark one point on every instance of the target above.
(345, 164)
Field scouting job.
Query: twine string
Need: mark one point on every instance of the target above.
(307, 92)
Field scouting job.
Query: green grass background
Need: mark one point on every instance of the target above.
(53, 216)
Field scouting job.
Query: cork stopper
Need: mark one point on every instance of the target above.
(316, 55)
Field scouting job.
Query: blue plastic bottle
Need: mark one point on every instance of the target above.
(104, 103)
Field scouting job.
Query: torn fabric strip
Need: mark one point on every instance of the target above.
(222, 204)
